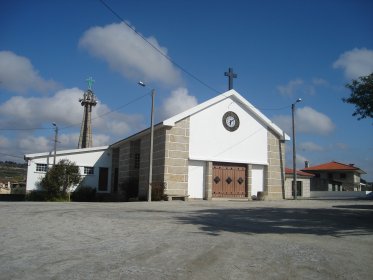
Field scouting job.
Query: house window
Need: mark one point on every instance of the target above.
(299, 188)
(103, 179)
(137, 161)
(88, 170)
(342, 175)
(41, 167)
(330, 176)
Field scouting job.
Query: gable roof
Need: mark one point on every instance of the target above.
(289, 171)
(334, 166)
(228, 94)
(66, 152)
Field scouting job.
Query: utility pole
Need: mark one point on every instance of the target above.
(294, 152)
(55, 142)
(151, 142)
(151, 148)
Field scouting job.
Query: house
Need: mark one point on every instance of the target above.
(303, 183)
(335, 176)
(223, 147)
(94, 165)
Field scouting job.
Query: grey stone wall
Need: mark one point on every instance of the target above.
(158, 160)
(249, 180)
(305, 186)
(208, 181)
(176, 158)
(123, 165)
(274, 174)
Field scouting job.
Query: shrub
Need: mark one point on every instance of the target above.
(84, 194)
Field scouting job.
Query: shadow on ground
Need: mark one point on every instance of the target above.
(332, 222)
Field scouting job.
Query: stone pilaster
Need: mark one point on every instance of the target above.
(274, 175)
(249, 179)
(176, 158)
(208, 181)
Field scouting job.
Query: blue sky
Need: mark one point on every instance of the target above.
(280, 50)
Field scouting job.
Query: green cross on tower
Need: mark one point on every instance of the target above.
(90, 82)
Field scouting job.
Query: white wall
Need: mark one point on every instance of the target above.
(210, 141)
(257, 179)
(81, 157)
(335, 194)
(196, 178)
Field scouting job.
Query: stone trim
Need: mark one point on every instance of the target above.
(275, 171)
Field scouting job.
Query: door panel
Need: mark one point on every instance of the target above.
(229, 180)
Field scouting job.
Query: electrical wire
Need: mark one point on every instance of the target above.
(76, 124)
(169, 58)
(9, 155)
(157, 49)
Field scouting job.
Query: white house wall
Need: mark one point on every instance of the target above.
(96, 159)
(196, 176)
(210, 141)
(257, 174)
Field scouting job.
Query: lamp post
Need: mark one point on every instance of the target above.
(151, 142)
(55, 142)
(294, 152)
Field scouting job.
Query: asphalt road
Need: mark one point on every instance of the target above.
(187, 240)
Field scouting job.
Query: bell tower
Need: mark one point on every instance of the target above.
(88, 101)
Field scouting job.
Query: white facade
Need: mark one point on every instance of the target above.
(210, 142)
(248, 144)
(90, 160)
(196, 179)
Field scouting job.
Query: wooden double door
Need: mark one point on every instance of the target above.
(229, 180)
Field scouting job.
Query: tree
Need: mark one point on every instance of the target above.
(59, 179)
(361, 96)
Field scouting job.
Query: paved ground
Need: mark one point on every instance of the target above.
(194, 240)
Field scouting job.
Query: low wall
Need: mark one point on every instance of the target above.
(326, 194)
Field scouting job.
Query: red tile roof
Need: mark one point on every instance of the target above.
(299, 173)
(334, 166)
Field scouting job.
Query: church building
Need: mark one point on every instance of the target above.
(221, 148)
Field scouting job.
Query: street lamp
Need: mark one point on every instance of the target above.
(294, 152)
(151, 142)
(55, 142)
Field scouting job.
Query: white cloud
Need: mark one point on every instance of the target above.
(35, 144)
(290, 88)
(17, 74)
(129, 54)
(297, 87)
(312, 121)
(4, 142)
(307, 120)
(179, 101)
(310, 147)
(64, 109)
(355, 63)
(341, 146)
(28, 112)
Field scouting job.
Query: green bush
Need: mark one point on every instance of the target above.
(84, 194)
(45, 196)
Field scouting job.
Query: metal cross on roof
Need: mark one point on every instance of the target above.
(231, 75)
(90, 82)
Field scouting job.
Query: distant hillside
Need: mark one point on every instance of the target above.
(12, 171)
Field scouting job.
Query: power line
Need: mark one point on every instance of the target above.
(9, 155)
(169, 58)
(34, 128)
(68, 126)
(109, 112)
(158, 50)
